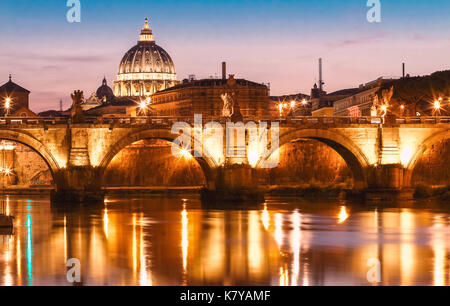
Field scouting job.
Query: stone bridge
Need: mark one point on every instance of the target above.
(380, 155)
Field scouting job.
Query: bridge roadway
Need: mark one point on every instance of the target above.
(380, 155)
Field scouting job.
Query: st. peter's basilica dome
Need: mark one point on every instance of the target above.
(145, 69)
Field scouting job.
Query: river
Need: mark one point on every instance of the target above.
(163, 240)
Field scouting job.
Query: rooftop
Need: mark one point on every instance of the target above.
(210, 83)
(10, 86)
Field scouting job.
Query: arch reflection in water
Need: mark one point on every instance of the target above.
(175, 241)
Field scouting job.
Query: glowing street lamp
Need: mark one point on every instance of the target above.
(437, 106)
(402, 109)
(280, 109)
(304, 102)
(293, 103)
(143, 107)
(7, 105)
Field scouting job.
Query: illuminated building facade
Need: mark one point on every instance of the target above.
(14, 100)
(323, 103)
(204, 97)
(359, 103)
(145, 69)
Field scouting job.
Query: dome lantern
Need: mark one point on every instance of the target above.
(146, 32)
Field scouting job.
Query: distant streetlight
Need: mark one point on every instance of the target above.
(293, 103)
(280, 109)
(402, 109)
(143, 107)
(437, 106)
(7, 105)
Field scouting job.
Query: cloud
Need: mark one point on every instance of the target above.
(358, 41)
(57, 58)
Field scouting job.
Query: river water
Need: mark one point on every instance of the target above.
(178, 241)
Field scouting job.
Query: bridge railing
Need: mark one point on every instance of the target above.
(42, 121)
(423, 120)
(169, 121)
(38, 121)
(333, 120)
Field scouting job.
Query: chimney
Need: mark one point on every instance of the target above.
(224, 70)
(320, 76)
(403, 69)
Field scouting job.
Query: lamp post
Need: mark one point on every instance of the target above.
(437, 106)
(144, 106)
(7, 105)
(280, 109)
(293, 104)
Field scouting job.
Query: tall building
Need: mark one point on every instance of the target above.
(145, 69)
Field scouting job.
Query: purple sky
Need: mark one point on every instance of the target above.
(264, 41)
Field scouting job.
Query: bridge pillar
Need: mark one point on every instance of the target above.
(387, 182)
(77, 184)
(234, 183)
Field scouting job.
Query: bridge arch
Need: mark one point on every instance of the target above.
(35, 145)
(345, 147)
(206, 164)
(421, 149)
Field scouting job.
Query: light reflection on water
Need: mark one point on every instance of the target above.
(176, 241)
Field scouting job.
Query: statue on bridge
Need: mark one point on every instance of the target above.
(77, 110)
(231, 108)
(380, 105)
(386, 95)
(227, 105)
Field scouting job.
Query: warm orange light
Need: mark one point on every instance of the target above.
(143, 107)
(280, 109)
(304, 102)
(7, 103)
(343, 215)
(184, 153)
(402, 106)
(292, 103)
(437, 104)
(384, 108)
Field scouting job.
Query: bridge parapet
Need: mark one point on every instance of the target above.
(423, 120)
(160, 120)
